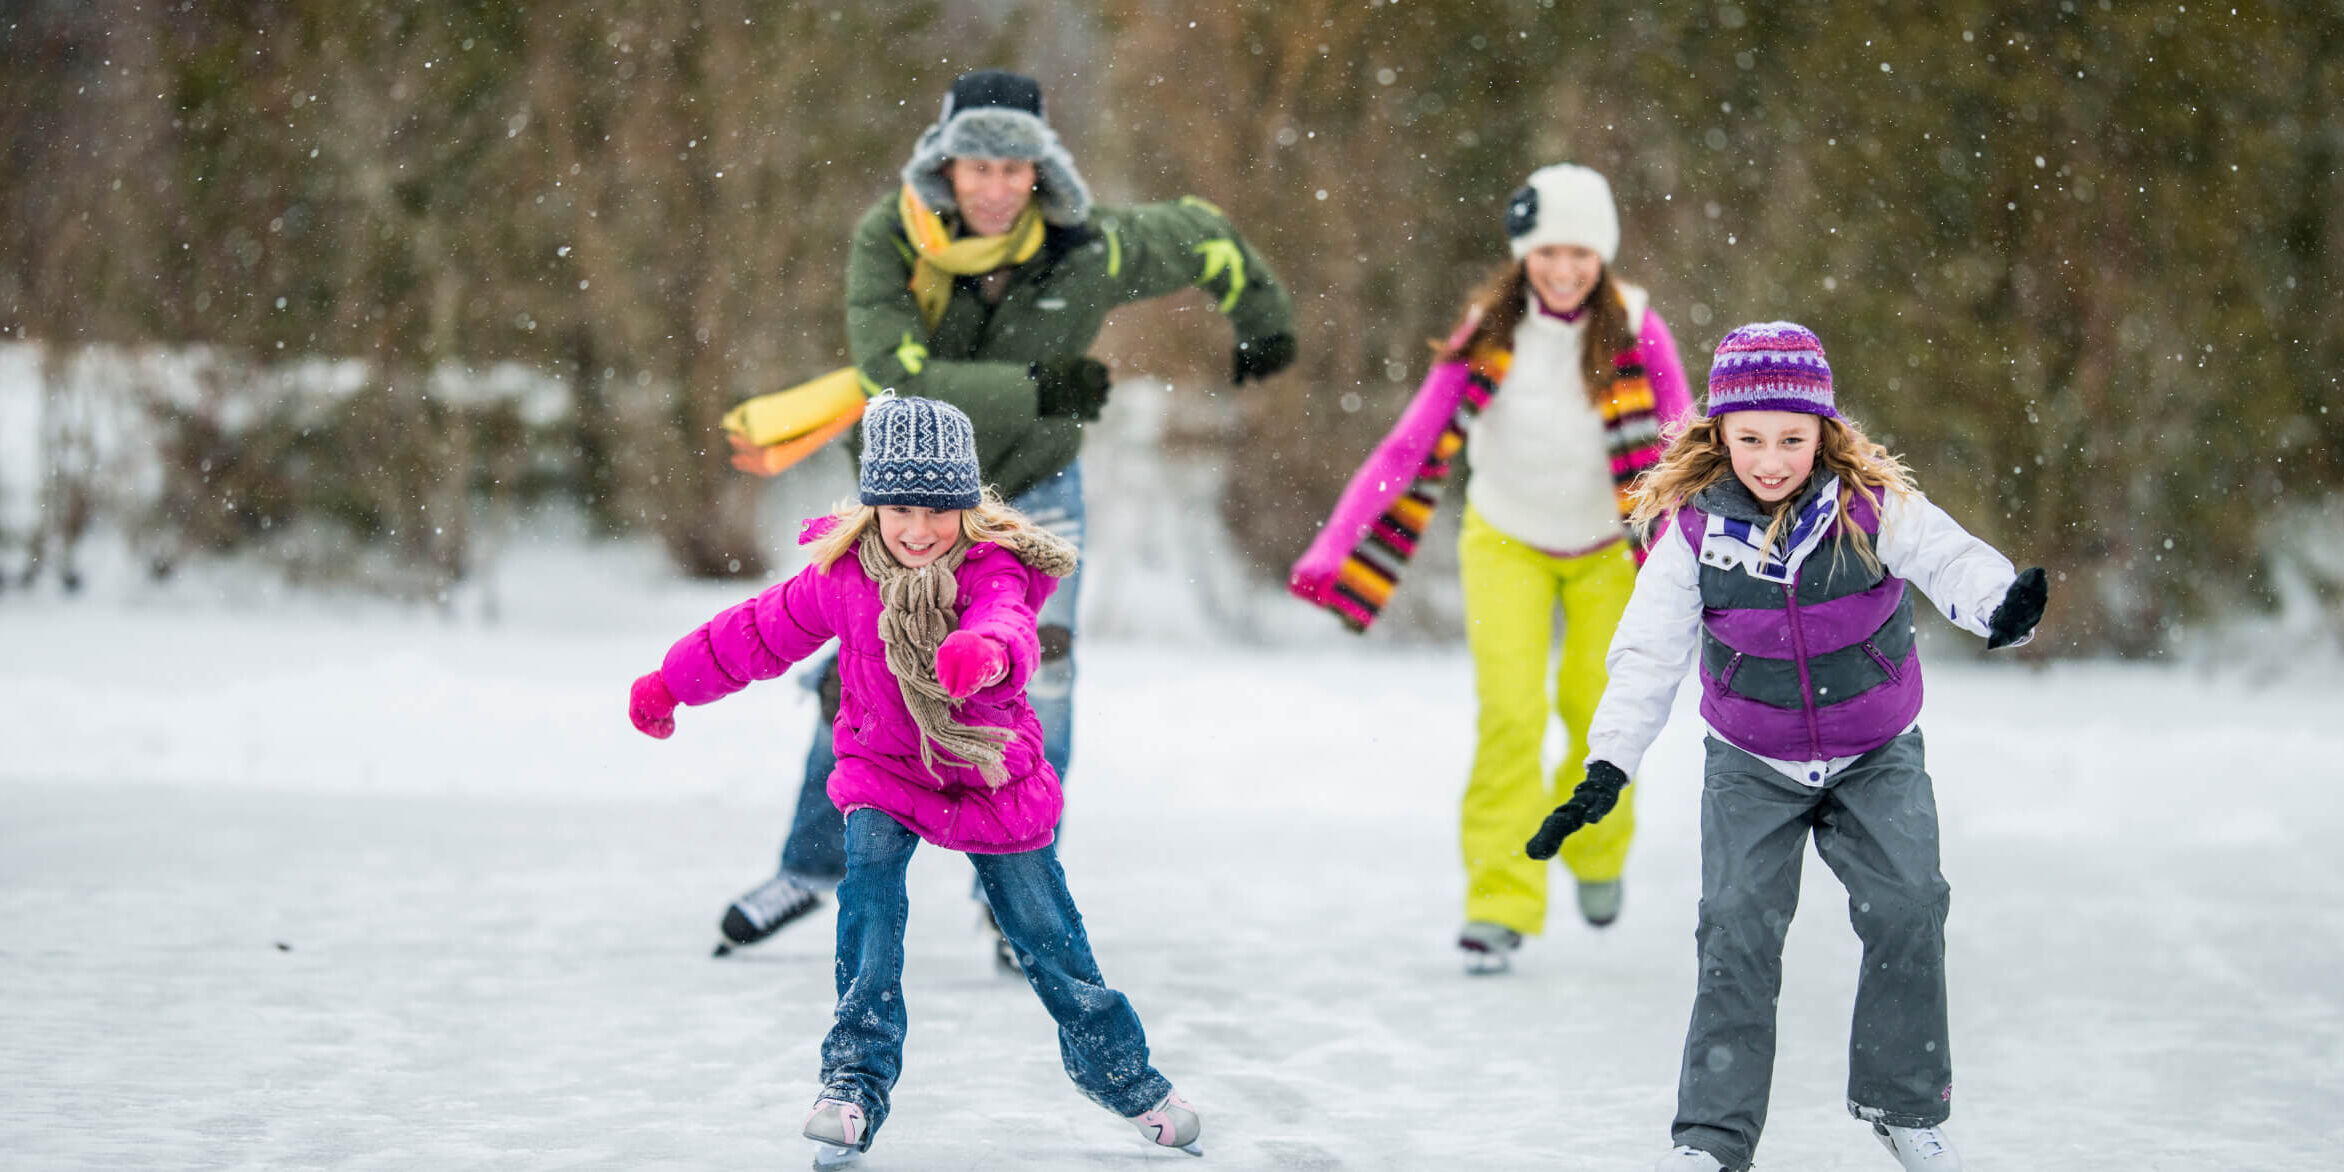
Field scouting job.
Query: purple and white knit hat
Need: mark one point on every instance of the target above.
(1770, 366)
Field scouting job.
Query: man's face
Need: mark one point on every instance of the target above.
(992, 193)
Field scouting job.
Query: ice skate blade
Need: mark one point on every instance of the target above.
(723, 948)
(1192, 1149)
(1487, 964)
(834, 1156)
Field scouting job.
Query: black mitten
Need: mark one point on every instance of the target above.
(2021, 609)
(1261, 357)
(1590, 801)
(1072, 385)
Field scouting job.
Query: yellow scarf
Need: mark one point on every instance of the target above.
(941, 258)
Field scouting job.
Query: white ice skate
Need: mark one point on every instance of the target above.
(1599, 903)
(1918, 1149)
(1171, 1123)
(766, 908)
(839, 1131)
(1684, 1159)
(1488, 948)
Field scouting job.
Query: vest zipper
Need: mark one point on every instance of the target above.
(1790, 601)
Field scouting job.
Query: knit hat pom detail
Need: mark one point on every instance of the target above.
(1771, 366)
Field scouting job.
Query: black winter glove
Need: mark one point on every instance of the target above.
(1262, 357)
(1071, 385)
(2021, 609)
(1593, 799)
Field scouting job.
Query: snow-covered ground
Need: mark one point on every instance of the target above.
(304, 882)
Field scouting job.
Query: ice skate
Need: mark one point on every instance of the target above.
(1171, 1123)
(1488, 948)
(1684, 1159)
(1918, 1149)
(839, 1132)
(766, 909)
(1600, 902)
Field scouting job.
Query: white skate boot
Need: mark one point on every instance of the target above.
(1918, 1149)
(1684, 1159)
(839, 1132)
(1488, 948)
(1171, 1123)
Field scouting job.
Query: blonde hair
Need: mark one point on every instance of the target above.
(988, 520)
(1696, 458)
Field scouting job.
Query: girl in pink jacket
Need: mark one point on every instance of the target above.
(930, 586)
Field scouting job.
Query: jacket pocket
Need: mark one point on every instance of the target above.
(1886, 668)
(1725, 679)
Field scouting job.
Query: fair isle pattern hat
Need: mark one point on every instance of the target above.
(918, 452)
(1770, 366)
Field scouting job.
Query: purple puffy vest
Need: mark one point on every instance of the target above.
(1824, 667)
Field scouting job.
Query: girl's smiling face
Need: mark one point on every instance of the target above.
(918, 535)
(1773, 451)
(1563, 275)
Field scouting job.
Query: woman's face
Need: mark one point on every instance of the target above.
(991, 192)
(1562, 275)
(918, 535)
(1773, 451)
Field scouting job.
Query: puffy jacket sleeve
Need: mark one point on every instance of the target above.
(1159, 248)
(1965, 577)
(1001, 600)
(1387, 473)
(888, 340)
(754, 640)
(1651, 650)
(1672, 397)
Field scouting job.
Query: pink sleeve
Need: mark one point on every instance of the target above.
(1001, 604)
(1388, 472)
(754, 640)
(1672, 400)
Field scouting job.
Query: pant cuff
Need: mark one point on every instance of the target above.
(1899, 1118)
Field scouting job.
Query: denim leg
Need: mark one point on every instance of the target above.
(1099, 1034)
(815, 853)
(1878, 833)
(863, 1055)
(1754, 825)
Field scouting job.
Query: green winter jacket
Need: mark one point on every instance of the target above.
(978, 357)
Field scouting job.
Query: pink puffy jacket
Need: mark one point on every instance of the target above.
(878, 744)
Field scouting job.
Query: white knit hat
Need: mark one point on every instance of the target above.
(1564, 204)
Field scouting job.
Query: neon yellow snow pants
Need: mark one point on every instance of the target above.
(1511, 592)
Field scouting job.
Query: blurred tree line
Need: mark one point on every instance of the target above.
(2072, 259)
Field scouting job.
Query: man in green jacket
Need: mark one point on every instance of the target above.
(982, 282)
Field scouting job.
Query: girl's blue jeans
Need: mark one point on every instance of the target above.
(1099, 1035)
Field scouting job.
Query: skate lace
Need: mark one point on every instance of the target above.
(1924, 1142)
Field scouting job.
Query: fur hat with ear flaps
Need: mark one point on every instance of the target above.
(996, 114)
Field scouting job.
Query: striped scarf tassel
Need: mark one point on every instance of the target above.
(1631, 435)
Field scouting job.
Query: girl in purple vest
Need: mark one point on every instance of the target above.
(1788, 542)
(930, 585)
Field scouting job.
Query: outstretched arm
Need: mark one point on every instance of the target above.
(1160, 248)
(754, 640)
(1964, 577)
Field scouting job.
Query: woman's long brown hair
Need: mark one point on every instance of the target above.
(1498, 305)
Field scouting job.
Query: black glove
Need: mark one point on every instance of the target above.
(2021, 609)
(1261, 357)
(1593, 799)
(1071, 385)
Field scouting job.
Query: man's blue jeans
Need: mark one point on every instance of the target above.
(814, 852)
(1099, 1035)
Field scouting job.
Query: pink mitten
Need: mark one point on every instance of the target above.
(968, 661)
(652, 707)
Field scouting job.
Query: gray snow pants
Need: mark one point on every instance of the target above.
(1875, 825)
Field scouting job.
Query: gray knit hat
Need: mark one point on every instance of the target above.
(919, 452)
(996, 114)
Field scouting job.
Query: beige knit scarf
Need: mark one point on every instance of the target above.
(916, 612)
